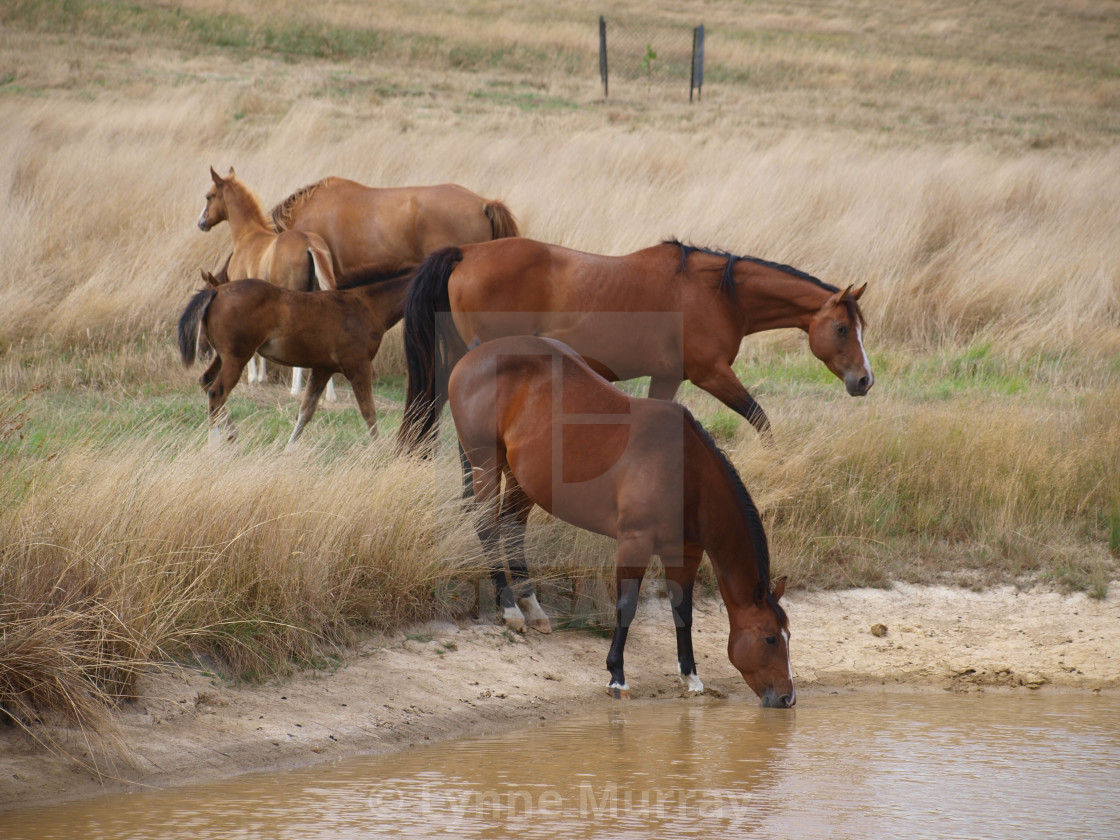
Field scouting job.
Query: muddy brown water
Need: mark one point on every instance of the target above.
(859, 765)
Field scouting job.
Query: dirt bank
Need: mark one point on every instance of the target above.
(444, 681)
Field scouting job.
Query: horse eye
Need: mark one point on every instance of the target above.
(771, 640)
(842, 329)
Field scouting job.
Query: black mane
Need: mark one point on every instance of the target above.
(754, 523)
(727, 280)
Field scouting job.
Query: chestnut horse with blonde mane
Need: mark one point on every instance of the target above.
(671, 312)
(295, 260)
(376, 225)
(531, 411)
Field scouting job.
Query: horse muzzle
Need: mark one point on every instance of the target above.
(774, 699)
(859, 384)
(203, 225)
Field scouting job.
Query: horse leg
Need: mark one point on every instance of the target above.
(361, 380)
(219, 380)
(663, 387)
(630, 567)
(513, 519)
(487, 493)
(721, 382)
(316, 382)
(211, 373)
(256, 370)
(468, 474)
(297, 384)
(680, 578)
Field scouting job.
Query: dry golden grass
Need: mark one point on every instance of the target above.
(961, 161)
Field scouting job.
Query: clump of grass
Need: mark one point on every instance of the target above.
(253, 560)
(938, 495)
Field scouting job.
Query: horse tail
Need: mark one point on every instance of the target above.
(426, 347)
(191, 324)
(321, 269)
(502, 222)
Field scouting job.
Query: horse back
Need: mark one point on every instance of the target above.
(621, 313)
(363, 225)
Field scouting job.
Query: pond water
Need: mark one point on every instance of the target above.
(859, 765)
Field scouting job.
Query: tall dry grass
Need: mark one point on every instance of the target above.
(971, 181)
(955, 244)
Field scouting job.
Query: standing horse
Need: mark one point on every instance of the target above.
(293, 260)
(642, 471)
(671, 312)
(332, 331)
(371, 225)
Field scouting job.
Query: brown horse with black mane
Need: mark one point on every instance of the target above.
(373, 225)
(332, 331)
(671, 312)
(531, 411)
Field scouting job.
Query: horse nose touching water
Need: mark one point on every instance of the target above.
(532, 412)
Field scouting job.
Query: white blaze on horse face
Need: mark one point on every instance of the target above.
(789, 669)
(863, 352)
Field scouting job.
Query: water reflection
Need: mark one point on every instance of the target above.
(858, 766)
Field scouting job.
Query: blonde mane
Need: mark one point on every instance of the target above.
(281, 215)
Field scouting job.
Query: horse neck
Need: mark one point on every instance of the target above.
(723, 522)
(243, 211)
(386, 298)
(771, 299)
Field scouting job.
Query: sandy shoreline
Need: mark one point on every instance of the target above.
(445, 681)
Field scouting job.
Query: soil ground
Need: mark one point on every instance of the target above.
(443, 681)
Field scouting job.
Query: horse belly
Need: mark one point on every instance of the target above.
(625, 345)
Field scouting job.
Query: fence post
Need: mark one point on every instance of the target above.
(697, 82)
(603, 53)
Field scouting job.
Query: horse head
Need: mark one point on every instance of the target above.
(758, 647)
(215, 209)
(836, 338)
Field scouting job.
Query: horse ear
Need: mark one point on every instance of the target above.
(856, 294)
(231, 174)
(217, 178)
(779, 588)
(839, 296)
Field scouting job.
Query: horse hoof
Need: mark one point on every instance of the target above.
(517, 625)
(618, 692)
(542, 625)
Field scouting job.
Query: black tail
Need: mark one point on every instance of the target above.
(426, 347)
(191, 322)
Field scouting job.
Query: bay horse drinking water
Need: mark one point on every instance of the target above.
(295, 260)
(671, 312)
(333, 331)
(531, 411)
(374, 225)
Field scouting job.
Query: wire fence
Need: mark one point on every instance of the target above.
(639, 55)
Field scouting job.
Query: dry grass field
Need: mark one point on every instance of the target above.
(961, 159)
